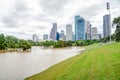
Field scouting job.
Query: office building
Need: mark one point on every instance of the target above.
(58, 36)
(106, 26)
(62, 35)
(80, 31)
(53, 33)
(94, 33)
(45, 37)
(88, 30)
(69, 33)
(35, 38)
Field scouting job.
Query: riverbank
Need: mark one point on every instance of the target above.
(99, 62)
(10, 50)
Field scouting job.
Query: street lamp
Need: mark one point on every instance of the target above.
(108, 8)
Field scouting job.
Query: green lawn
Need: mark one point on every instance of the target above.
(99, 62)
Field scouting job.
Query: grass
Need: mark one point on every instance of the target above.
(99, 62)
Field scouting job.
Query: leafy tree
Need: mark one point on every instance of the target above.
(24, 45)
(11, 41)
(3, 44)
(79, 43)
(69, 43)
(59, 44)
(116, 22)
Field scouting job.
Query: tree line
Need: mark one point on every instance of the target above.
(12, 42)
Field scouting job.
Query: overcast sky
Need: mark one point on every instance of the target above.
(23, 18)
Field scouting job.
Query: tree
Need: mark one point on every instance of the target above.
(116, 22)
(3, 44)
(79, 43)
(69, 43)
(24, 45)
(59, 44)
(11, 41)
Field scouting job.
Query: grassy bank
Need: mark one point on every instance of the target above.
(97, 63)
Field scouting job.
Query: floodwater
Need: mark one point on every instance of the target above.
(18, 66)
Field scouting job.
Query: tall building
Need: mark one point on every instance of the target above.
(80, 28)
(106, 26)
(62, 35)
(58, 36)
(73, 37)
(69, 33)
(94, 33)
(88, 30)
(45, 37)
(99, 36)
(35, 38)
(53, 33)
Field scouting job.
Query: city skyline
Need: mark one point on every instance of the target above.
(27, 17)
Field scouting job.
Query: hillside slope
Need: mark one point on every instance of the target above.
(98, 63)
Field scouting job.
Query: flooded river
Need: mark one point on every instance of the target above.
(18, 66)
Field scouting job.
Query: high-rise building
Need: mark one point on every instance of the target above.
(45, 37)
(94, 33)
(35, 38)
(62, 35)
(58, 36)
(53, 33)
(99, 36)
(73, 37)
(69, 33)
(88, 30)
(80, 28)
(106, 26)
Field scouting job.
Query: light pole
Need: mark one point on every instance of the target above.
(108, 8)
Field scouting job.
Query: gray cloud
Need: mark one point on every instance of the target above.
(53, 7)
(26, 20)
(19, 13)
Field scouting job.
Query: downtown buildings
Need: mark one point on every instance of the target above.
(83, 31)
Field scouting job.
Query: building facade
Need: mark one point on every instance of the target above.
(69, 33)
(53, 33)
(80, 28)
(35, 38)
(62, 35)
(88, 30)
(95, 33)
(45, 37)
(106, 26)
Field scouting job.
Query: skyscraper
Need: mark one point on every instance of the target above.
(53, 33)
(58, 36)
(69, 33)
(88, 30)
(94, 33)
(80, 28)
(106, 25)
(62, 35)
(45, 37)
(35, 38)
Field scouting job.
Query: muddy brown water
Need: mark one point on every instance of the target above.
(18, 65)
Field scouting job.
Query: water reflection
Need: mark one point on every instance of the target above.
(17, 66)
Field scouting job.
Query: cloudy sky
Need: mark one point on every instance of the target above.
(22, 18)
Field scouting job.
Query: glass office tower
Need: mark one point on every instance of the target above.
(80, 28)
